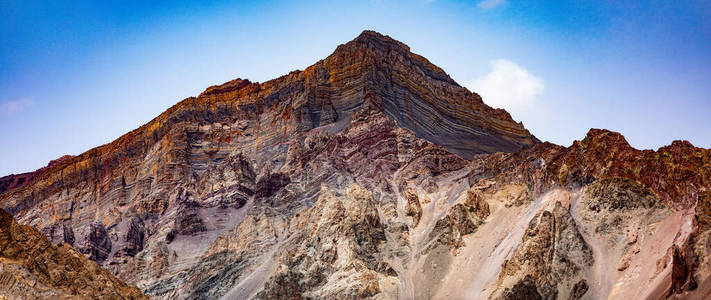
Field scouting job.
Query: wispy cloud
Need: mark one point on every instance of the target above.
(489, 4)
(10, 108)
(507, 86)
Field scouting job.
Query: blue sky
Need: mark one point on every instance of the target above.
(78, 74)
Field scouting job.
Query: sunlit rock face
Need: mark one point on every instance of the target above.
(372, 174)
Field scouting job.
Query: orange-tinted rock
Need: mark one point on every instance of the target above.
(12, 182)
(31, 267)
(676, 173)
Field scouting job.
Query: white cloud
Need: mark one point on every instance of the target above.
(9, 108)
(489, 4)
(507, 86)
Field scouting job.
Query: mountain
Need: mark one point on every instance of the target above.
(372, 174)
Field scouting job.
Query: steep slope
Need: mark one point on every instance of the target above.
(637, 213)
(372, 174)
(33, 268)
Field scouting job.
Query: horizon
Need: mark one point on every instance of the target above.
(119, 81)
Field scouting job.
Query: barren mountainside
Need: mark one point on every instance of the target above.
(372, 174)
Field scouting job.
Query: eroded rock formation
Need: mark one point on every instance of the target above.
(31, 267)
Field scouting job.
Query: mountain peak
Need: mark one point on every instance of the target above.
(605, 137)
(376, 38)
(386, 50)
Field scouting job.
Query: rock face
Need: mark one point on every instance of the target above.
(549, 260)
(636, 211)
(372, 174)
(31, 267)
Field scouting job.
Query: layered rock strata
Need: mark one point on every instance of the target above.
(372, 174)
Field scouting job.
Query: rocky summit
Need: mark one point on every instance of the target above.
(370, 174)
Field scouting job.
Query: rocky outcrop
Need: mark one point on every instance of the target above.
(523, 290)
(95, 242)
(414, 209)
(346, 241)
(550, 261)
(31, 267)
(132, 241)
(614, 205)
(270, 184)
(462, 219)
